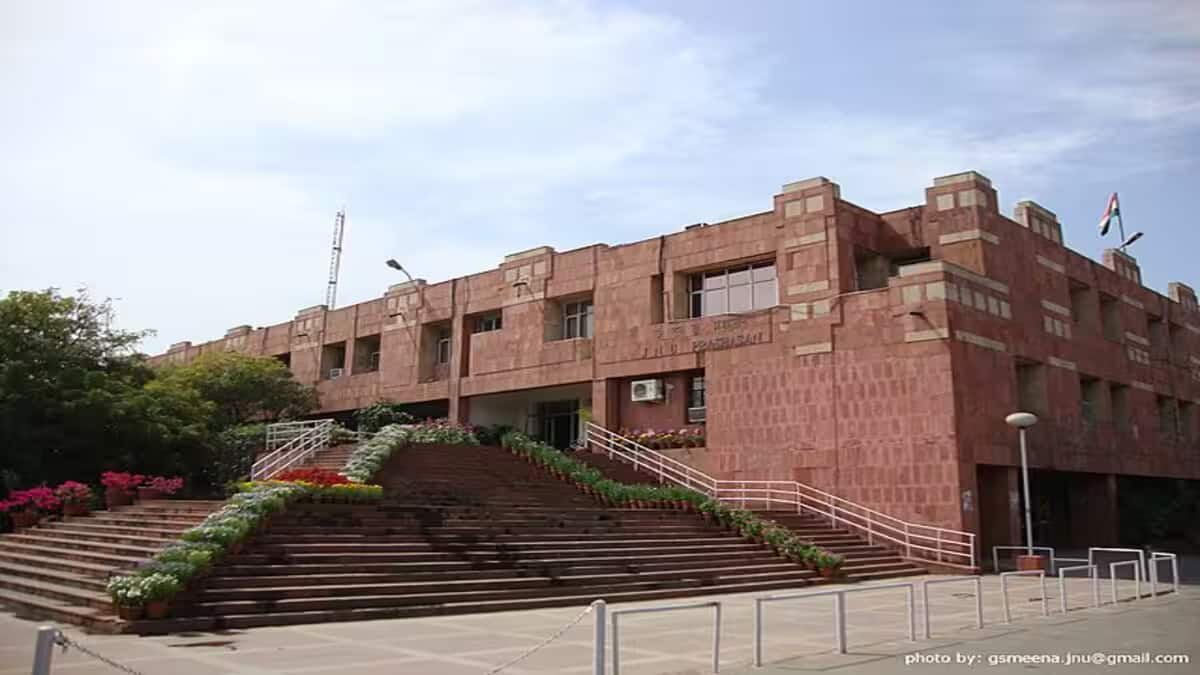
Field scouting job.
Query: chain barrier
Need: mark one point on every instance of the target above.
(570, 624)
(62, 640)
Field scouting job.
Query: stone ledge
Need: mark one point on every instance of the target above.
(528, 253)
(1142, 385)
(927, 335)
(968, 235)
(1061, 363)
(814, 348)
(1134, 337)
(1051, 265)
(1131, 302)
(980, 341)
(950, 268)
(1056, 308)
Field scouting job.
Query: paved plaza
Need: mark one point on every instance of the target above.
(799, 637)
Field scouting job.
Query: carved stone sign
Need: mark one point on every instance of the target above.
(699, 335)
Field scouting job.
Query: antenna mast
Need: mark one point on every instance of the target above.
(335, 259)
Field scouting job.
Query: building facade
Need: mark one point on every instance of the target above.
(874, 355)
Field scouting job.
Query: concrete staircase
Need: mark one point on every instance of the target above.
(333, 458)
(58, 569)
(469, 529)
(864, 560)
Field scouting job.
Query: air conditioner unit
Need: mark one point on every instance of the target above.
(335, 373)
(646, 390)
(374, 361)
(696, 415)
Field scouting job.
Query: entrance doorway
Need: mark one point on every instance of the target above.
(560, 422)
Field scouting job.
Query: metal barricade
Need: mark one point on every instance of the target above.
(616, 644)
(1137, 578)
(978, 581)
(1062, 584)
(1157, 557)
(1004, 576)
(1092, 551)
(839, 613)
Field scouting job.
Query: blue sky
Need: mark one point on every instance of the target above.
(190, 161)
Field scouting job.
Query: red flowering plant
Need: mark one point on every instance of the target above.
(314, 476)
(122, 481)
(34, 499)
(669, 438)
(73, 492)
(167, 486)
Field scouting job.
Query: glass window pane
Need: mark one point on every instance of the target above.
(764, 271)
(587, 325)
(571, 329)
(714, 302)
(765, 294)
(739, 299)
(695, 282)
(697, 308)
(739, 276)
(714, 280)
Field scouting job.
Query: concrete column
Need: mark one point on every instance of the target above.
(606, 409)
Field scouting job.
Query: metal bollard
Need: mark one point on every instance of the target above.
(43, 651)
(600, 608)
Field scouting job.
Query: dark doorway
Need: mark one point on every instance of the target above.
(560, 422)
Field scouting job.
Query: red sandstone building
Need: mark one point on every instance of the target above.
(871, 355)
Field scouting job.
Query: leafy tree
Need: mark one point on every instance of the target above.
(241, 388)
(74, 397)
(379, 415)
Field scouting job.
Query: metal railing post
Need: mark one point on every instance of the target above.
(978, 602)
(870, 530)
(600, 608)
(907, 542)
(912, 614)
(43, 650)
(939, 544)
(717, 639)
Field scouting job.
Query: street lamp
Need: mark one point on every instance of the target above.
(1022, 421)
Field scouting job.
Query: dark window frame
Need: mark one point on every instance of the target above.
(705, 287)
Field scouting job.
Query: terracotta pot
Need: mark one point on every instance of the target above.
(114, 497)
(827, 572)
(130, 613)
(157, 609)
(24, 519)
(147, 494)
(76, 509)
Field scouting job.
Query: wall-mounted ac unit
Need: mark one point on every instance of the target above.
(696, 415)
(335, 373)
(373, 362)
(646, 390)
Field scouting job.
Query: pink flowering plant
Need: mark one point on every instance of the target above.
(167, 486)
(122, 480)
(34, 499)
(687, 437)
(73, 492)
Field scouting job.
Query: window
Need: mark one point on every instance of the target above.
(577, 320)
(1167, 420)
(1110, 317)
(697, 410)
(1089, 400)
(488, 323)
(1119, 394)
(732, 290)
(443, 346)
(1031, 388)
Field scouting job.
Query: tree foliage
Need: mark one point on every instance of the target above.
(76, 399)
(241, 388)
(377, 416)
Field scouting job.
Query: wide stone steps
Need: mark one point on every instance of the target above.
(59, 569)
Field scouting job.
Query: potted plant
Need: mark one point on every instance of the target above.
(76, 498)
(828, 564)
(119, 487)
(127, 596)
(158, 589)
(26, 507)
(158, 487)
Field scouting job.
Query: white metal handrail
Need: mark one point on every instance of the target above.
(299, 448)
(280, 433)
(926, 541)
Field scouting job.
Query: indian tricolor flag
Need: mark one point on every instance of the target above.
(1111, 213)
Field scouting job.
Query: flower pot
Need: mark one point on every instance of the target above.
(157, 609)
(130, 613)
(76, 509)
(827, 572)
(25, 519)
(147, 494)
(114, 497)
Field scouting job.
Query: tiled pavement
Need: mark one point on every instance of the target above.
(799, 637)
